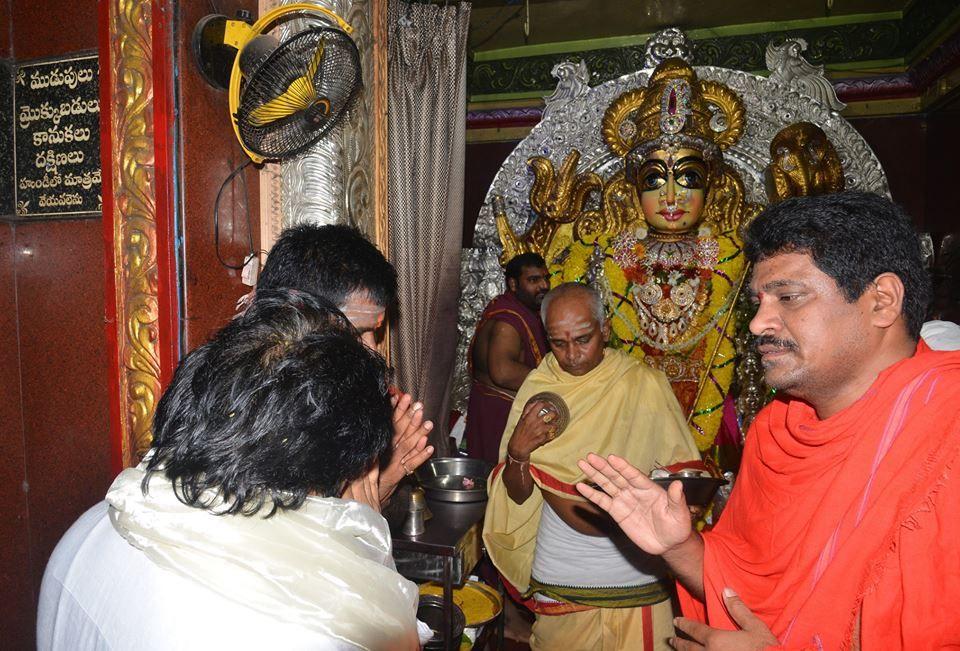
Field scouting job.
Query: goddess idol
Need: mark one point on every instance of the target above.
(664, 249)
(676, 161)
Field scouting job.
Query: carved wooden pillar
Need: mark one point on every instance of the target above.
(136, 114)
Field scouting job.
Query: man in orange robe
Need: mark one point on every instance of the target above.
(843, 530)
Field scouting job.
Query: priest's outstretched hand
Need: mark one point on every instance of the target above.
(656, 520)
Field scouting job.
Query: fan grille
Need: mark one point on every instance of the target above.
(337, 79)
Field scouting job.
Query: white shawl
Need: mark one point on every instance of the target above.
(326, 566)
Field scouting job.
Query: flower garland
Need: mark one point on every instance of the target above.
(708, 267)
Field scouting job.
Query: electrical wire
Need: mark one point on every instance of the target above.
(516, 12)
(246, 209)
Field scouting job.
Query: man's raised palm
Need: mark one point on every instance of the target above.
(655, 519)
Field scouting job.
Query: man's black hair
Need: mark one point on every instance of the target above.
(331, 262)
(520, 262)
(283, 402)
(853, 237)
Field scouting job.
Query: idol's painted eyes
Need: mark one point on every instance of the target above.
(653, 180)
(689, 173)
(653, 175)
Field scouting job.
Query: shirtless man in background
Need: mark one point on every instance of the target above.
(510, 342)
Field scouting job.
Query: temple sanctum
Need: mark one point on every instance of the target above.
(328, 324)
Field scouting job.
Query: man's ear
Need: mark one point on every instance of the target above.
(512, 284)
(887, 299)
(605, 329)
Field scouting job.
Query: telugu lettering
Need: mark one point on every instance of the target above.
(56, 119)
(55, 135)
(48, 111)
(51, 160)
(62, 199)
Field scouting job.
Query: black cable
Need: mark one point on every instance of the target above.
(216, 219)
(489, 36)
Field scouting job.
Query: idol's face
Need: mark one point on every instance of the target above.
(813, 342)
(672, 187)
(531, 287)
(576, 338)
(365, 315)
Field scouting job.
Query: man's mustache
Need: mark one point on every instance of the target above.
(769, 341)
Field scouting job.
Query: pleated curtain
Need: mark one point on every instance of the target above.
(427, 130)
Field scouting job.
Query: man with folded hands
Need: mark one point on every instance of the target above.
(232, 532)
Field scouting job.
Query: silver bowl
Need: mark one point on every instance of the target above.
(454, 479)
(698, 491)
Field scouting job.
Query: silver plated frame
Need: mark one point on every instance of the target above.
(770, 106)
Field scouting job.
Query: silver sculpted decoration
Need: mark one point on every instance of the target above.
(786, 65)
(328, 183)
(927, 250)
(360, 129)
(771, 105)
(667, 44)
(573, 81)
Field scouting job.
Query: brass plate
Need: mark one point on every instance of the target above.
(479, 602)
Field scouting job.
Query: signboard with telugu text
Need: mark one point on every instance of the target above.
(56, 124)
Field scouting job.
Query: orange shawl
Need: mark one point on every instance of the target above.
(858, 513)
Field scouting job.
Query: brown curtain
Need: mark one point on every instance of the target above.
(427, 128)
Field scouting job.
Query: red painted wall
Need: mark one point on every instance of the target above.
(210, 153)
(942, 171)
(54, 437)
(16, 585)
(483, 160)
(4, 28)
(901, 145)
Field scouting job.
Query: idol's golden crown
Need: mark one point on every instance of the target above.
(675, 108)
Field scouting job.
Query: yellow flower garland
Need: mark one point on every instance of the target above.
(708, 410)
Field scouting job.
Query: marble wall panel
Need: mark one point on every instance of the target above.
(6, 137)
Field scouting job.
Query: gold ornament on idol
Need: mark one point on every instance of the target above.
(664, 249)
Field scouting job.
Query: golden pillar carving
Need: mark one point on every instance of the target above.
(381, 34)
(134, 221)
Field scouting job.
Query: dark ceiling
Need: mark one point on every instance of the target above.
(499, 24)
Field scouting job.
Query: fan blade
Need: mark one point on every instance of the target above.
(302, 92)
(280, 107)
(300, 95)
(315, 61)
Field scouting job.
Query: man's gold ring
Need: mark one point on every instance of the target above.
(406, 470)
